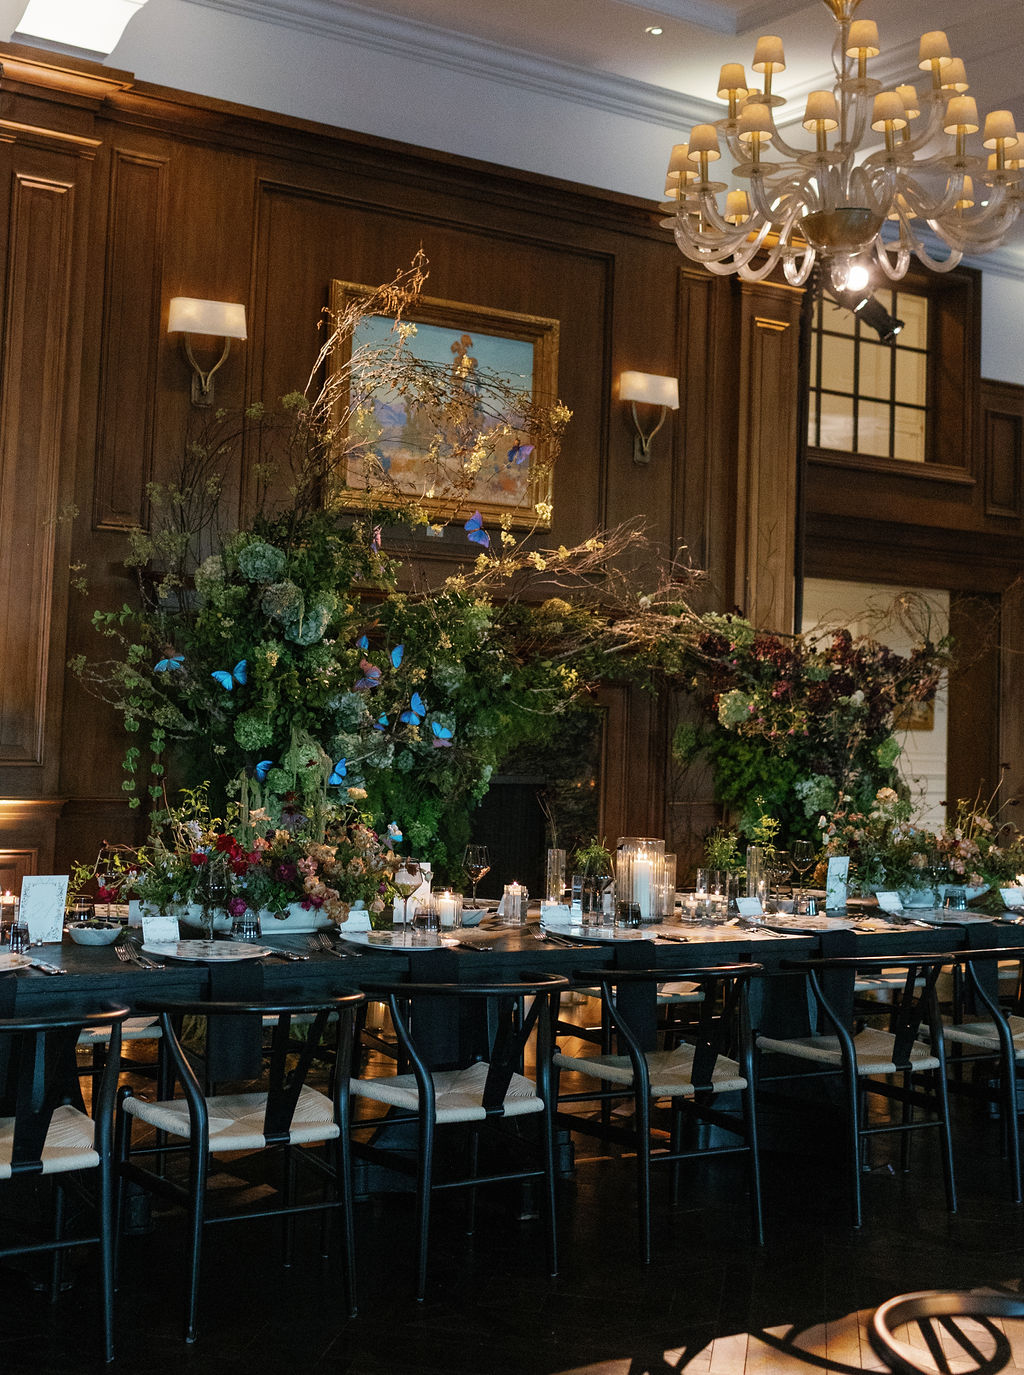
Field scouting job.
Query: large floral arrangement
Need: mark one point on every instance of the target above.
(326, 858)
(801, 720)
(889, 848)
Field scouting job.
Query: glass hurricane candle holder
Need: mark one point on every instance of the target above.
(449, 909)
(639, 875)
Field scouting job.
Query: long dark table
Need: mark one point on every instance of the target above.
(95, 976)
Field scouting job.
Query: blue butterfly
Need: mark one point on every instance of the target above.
(370, 678)
(174, 661)
(396, 656)
(417, 711)
(442, 735)
(519, 453)
(363, 643)
(380, 722)
(263, 768)
(339, 773)
(474, 528)
(239, 674)
(394, 832)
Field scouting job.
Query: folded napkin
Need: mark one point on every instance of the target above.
(557, 914)
(355, 921)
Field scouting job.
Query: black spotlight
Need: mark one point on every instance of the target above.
(865, 306)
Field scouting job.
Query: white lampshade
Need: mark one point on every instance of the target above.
(863, 39)
(189, 315)
(933, 47)
(961, 116)
(888, 111)
(732, 80)
(649, 387)
(755, 124)
(703, 139)
(954, 76)
(1000, 126)
(821, 109)
(768, 55)
(911, 101)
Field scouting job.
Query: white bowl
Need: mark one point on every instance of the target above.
(93, 935)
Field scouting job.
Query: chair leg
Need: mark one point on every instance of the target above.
(473, 1161)
(108, 1205)
(642, 1113)
(947, 1141)
(548, 1146)
(906, 1115)
(750, 1124)
(424, 1181)
(853, 1095)
(57, 1259)
(343, 1168)
(675, 1146)
(287, 1201)
(1008, 1094)
(198, 1166)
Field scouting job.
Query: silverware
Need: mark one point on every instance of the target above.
(468, 945)
(46, 968)
(284, 955)
(321, 943)
(131, 954)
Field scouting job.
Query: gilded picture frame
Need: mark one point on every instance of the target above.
(516, 347)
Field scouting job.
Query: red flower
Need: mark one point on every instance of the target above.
(199, 858)
(240, 866)
(106, 894)
(225, 844)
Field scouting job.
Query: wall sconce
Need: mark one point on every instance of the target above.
(220, 319)
(651, 390)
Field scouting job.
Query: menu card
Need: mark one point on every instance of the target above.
(42, 906)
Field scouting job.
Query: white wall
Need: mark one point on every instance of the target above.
(1002, 328)
(859, 606)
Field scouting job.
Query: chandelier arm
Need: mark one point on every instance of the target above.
(894, 271)
(780, 143)
(932, 126)
(916, 197)
(797, 276)
(707, 249)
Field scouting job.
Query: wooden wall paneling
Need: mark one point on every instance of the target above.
(1011, 699)
(27, 830)
(1002, 456)
(972, 758)
(767, 453)
(136, 232)
(467, 262)
(633, 759)
(45, 218)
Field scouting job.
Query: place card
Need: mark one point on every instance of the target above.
(749, 907)
(357, 920)
(42, 907)
(889, 902)
(158, 929)
(1012, 897)
(836, 881)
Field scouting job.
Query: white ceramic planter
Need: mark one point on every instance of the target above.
(293, 920)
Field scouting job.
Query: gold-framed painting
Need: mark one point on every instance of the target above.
(915, 716)
(522, 350)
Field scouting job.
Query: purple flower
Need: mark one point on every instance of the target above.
(236, 906)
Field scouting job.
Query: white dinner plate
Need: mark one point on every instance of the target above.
(940, 918)
(9, 961)
(401, 941)
(212, 951)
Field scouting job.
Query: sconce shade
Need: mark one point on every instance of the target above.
(648, 387)
(188, 315)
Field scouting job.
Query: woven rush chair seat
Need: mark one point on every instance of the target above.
(671, 1071)
(236, 1121)
(874, 1051)
(465, 1045)
(984, 1035)
(866, 1058)
(46, 1133)
(459, 1094)
(692, 1065)
(282, 1113)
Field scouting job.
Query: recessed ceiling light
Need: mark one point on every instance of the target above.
(654, 31)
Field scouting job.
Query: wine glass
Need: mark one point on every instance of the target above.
(802, 855)
(477, 863)
(406, 881)
(216, 891)
(779, 868)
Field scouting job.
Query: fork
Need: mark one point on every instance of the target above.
(320, 943)
(127, 953)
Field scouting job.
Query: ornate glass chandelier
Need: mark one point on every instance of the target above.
(878, 155)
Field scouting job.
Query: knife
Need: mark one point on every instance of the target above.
(45, 968)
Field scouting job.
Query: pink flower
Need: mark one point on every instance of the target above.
(236, 906)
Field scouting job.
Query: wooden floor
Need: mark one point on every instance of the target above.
(711, 1304)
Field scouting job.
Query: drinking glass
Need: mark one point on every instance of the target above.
(477, 863)
(779, 868)
(215, 893)
(19, 938)
(802, 855)
(247, 926)
(426, 921)
(406, 881)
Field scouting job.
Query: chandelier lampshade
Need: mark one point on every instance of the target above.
(886, 175)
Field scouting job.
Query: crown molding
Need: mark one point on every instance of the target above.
(425, 43)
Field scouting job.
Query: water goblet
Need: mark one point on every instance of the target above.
(406, 881)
